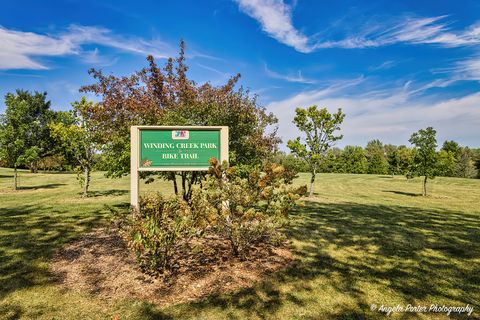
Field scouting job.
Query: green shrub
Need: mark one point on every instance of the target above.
(244, 211)
(245, 208)
(55, 162)
(155, 232)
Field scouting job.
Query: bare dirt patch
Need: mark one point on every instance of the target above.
(100, 263)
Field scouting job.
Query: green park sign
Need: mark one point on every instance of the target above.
(172, 148)
(178, 148)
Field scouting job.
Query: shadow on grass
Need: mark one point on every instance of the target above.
(9, 311)
(149, 311)
(57, 172)
(366, 251)
(347, 249)
(29, 236)
(44, 186)
(114, 192)
(411, 194)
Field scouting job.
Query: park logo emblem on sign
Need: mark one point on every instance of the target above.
(180, 134)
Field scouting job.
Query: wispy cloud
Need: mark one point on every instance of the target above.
(466, 69)
(275, 17)
(94, 57)
(390, 114)
(469, 69)
(214, 70)
(24, 50)
(408, 30)
(298, 77)
(383, 66)
(19, 48)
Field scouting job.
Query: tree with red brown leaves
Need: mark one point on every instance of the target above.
(155, 96)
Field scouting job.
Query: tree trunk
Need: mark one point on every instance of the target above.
(86, 181)
(15, 178)
(33, 167)
(312, 181)
(191, 182)
(233, 245)
(175, 186)
(184, 190)
(425, 186)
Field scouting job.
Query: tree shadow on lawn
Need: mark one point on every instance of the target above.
(10, 311)
(113, 192)
(44, 186)
(411, 194)
(29, 236)
(408, 253)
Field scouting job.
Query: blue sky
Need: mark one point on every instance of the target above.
(393, 66)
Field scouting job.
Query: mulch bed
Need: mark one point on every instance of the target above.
(100, 263)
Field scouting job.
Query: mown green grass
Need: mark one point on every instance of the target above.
(362, 240)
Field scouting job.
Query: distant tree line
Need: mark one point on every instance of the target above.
(34, 136)
(452, 160)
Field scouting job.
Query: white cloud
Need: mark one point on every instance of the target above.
(409, 30)
(22, 50)
(275, 17)
(299, 78)
(383, 66)
(468, 69)
(93, 35)
(18, 48)
(214, 70)
(93, 57)
(387, 115)
(219, 77)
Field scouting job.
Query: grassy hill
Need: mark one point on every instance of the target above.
(362, 240)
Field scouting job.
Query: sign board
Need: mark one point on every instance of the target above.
(172, 148)
(184, 149)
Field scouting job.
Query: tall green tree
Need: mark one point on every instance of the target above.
(424, 161)
(391, 154)
(24, 132)
(353, 160)
(465, 167)
(290, 161)
(476, 155)
(446, 163)
(405, 157)
(376, 156)
(319, 127)
(448, 157)
(452, 147)
(80, 138)
(331, 162)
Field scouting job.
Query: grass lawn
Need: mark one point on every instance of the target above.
(362, 240)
